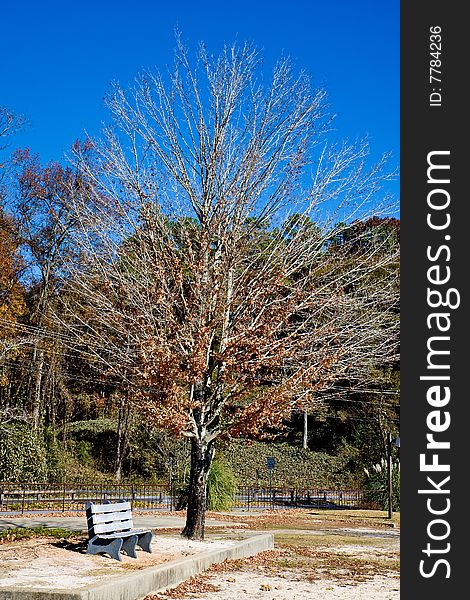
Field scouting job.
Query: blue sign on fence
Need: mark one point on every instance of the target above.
(271, 462)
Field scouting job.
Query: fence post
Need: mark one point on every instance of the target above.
(170, 478)
(22, 499)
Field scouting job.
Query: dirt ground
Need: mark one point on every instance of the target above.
(56, 564)
(347, 555)
(254, 586)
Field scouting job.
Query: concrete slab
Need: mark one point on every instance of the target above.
(137, 584)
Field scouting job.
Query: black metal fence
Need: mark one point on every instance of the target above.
(72, 497)
(265, 498)
(55, 497)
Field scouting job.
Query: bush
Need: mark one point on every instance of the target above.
(93, 442)
(22, 454)
(149, 453)
(295, 467)
(221, 486)
(376, 485)
(56, 457)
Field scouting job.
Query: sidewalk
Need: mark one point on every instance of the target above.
(79, 523)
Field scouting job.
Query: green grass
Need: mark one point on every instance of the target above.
(376, 517)
(319, 556)
(26, 533)
(328, 540)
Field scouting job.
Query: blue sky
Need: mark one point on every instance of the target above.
(58, 59)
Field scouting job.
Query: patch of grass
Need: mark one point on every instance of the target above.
(372, 517)
(285, 540)
(26, 533)
(328, 540)
(293, 563)
(315, 563)
(341, 557)
(351, 568)
(314, 519)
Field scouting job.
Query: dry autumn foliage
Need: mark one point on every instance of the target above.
(12, 292)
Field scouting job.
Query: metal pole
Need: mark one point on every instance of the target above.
(389, 474)
(305, 437)
(271, 487)
(171, 482)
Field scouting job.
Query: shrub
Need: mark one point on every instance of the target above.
(93, 442)
(221, 486)
(376, 485)
(56, 457)
(22, 454)
(295, 467)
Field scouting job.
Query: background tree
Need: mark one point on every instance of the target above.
(12, 292)
(366, 408)
(39, 205)
(189, 286)
(12, 300)
(10, 123)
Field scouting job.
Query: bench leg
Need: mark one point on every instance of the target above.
(112, 547)
(128, 546)
(145, 540)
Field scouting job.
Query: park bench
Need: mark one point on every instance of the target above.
(110, 530)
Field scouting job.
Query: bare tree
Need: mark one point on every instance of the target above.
(191, 279)
(10, 123)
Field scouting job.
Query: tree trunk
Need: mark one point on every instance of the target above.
(121, 435)
(39, 365)
(201, 460)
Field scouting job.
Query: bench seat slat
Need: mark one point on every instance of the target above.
(109, 536)
(113, 526)
(107, 508)
(125, 515)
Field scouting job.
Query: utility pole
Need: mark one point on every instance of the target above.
(170, 473)
(305, 436)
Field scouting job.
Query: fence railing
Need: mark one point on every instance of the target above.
(73, 497)
(252, 498)
(55, 497)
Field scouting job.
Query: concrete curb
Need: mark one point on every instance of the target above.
(135, 586)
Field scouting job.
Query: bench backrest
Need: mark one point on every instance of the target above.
(108, 518)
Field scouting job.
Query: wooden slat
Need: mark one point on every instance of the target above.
(112, 536)
(112, 527)
(124, 515)
(107, 508)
